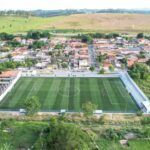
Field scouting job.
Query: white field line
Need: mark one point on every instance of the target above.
(35, 88)
(110, 98)
(68, 93)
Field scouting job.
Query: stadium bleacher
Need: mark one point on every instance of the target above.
(5, 79)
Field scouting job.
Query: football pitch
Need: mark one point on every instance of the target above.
(109, 94)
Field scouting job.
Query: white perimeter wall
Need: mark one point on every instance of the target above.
(133, 89)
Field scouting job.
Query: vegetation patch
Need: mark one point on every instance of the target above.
(144, 85)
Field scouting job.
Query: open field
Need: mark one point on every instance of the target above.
(80, 22)
(109, 94)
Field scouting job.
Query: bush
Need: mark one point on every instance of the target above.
(32, 105)
(139, 113)
(145, 121)
(102, 71)
(111, 134)
(92, 68)
(139, 71)
(88, 108)
(36, 45)
(101, 120)
(140, 35)
(60, 135)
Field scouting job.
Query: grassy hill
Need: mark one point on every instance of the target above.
(80, 22)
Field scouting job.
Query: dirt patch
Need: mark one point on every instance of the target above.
(124, 142)
(130, 136)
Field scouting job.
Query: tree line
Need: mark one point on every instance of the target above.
(49, 13)
(88, 38)
(15, 13)
(30, 35)
(13, 64)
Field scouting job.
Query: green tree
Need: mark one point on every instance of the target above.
(139, 113)
(32, 105)
(14, 43)
(139, 71)
(147, 132)
(37, 35)
(101, 58)
(9, 56)
(97, 35)
(85, 38)
(10, 65)
(45, 34)
(92, 68)
(64, 65)
(124, 61)
(64, 136)
(37, 45)
(5, 36)
(1, 69)
(111, 35)
(30, 62)
(140, 35)
(111, 68)
(142, 54)
(34, 35)
(88, 108)
(59, 46)
(102, 71)
(148, 62)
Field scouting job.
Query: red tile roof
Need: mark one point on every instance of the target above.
(8, 74)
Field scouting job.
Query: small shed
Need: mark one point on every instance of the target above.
(62, 111)
(98, 112)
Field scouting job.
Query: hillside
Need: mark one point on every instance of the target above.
(79, 22)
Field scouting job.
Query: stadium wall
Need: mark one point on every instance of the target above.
(138, 89)
(133, 89)
(74, 74)
(10, 86)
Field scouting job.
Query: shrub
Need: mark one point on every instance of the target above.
(102, 71)
(145, 121)
(139, 113)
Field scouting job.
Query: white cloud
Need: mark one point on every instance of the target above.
(72, 4)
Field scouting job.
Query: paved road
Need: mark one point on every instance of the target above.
(92, 55)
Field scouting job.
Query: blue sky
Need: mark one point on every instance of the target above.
(72, 4)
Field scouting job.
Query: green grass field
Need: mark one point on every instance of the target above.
(109, 94)
(131, 23)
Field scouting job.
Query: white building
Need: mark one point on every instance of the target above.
(83, 64)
